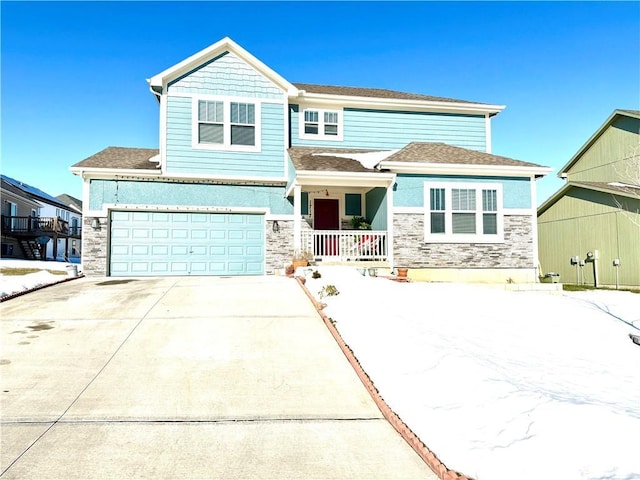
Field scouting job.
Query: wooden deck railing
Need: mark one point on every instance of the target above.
(346, 245)
(37, 226)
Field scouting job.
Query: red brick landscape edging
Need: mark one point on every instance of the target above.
(396, 422)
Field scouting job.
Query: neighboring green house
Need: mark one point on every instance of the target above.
(597, 211)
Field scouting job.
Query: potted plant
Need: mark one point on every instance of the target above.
(360, 223)
(301, 258)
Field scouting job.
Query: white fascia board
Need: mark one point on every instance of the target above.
(224, 45)
(106, 173)
(465, 169)
(174, 208)
(318, 99)
(155, 175)
(349, 179)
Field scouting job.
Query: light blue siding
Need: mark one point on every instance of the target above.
(226, 75)
(170, 243)
(377, 208)
(409, 189)
(187, 194)
(386, 129)
(183, 158)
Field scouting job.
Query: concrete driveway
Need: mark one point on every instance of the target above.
(196, 377)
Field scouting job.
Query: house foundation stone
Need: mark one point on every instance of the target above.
(94, 247)
(516, 252)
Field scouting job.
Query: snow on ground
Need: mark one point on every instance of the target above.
(499, 384)
(10, 284)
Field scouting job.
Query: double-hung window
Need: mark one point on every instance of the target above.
(243, 123)
(210, 122)
(226, 124)
(319, 123)
(463, 213)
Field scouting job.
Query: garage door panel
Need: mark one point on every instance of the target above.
(140, 250)
(171, 243)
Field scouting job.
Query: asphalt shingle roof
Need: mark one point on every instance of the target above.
(628, 190)
(307, 158)
(125, 158)
(374, 92)
(424, 152)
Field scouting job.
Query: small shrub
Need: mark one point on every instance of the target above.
(328, 291)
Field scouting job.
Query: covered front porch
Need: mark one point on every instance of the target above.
(343, 219)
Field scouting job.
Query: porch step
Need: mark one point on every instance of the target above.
(31, 249)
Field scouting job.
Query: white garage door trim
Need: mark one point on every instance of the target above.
(170, 243)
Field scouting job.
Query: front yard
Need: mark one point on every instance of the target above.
(499, 384)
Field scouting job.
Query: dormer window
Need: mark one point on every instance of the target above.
(318, 123)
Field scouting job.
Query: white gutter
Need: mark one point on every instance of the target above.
(465, 169)
(341, 179)
(398, 104)
(103, 173)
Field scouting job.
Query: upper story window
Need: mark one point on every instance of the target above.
(243, 124)
(463, 213)
(318, 123)
(226, 124)
(210, 122)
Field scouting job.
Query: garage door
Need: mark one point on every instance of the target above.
(169, 243)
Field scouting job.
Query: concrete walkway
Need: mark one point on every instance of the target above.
(196, 377)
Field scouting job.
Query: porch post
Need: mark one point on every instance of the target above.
(390, 224)
(297, 216)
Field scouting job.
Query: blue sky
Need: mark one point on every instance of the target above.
(74, 73)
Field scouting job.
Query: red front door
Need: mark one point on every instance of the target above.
(326, 216)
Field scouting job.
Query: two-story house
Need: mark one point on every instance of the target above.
(38, 226)
(251, 168)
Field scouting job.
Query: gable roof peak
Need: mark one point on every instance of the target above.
(158, 82)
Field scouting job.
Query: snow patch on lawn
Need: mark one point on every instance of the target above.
(11, 284)
(500, 384)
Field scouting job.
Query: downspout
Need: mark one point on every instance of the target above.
(534, 230)
(487, 127)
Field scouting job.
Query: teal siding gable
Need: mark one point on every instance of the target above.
(148, 194)
(226, 75)
(387, 129)
(183, 158)
(409, 189)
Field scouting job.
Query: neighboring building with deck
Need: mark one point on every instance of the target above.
(37, 226)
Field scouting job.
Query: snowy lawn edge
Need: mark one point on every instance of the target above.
(392, 417)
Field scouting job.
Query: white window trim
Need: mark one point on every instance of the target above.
(320, 135)
(448, 236)
(226, 145)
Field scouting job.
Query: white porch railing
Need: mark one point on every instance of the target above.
(346, 245)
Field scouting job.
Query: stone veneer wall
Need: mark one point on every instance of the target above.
(279, 245)
(94, 248)
(410, 250)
